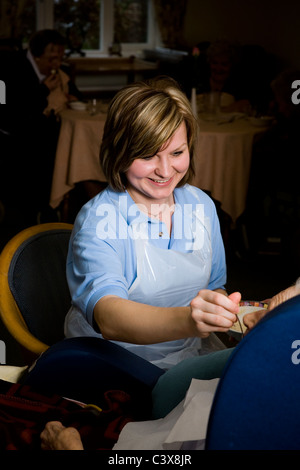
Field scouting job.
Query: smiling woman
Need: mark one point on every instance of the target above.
(153, 119)
(151, 181)
(146, 266)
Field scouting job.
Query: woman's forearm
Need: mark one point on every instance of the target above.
(125, 320)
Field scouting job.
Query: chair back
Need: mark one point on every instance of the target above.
(256, 405)
(34, 294)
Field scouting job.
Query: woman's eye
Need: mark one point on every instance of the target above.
(148, 157)
(176, 154)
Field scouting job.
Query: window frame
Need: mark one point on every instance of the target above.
(45, 19)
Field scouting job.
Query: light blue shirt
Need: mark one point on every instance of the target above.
(101, 259)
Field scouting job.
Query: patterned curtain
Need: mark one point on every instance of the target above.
(170, 16)
(11, 12)
(17, 18)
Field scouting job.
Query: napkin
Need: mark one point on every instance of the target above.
(57, 98)
(183, 428)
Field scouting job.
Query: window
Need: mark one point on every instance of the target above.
(79, 21)
(131, 21)
(94, 26)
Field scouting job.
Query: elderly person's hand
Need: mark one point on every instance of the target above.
(55, 436)
(251, 319)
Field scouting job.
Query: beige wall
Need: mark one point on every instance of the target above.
(275, 25)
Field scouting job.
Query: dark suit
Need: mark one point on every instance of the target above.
(28, 139)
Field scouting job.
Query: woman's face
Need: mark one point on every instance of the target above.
(153, 179)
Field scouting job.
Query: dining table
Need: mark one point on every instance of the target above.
(77, 152)
(222, 157)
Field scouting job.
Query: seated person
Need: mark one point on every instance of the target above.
(45, 54)
(221, 76)
(146, 263)
(36, 90)
(55, 436)
(35, 77)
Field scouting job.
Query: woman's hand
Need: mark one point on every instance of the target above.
(214, 311)
(55, 436)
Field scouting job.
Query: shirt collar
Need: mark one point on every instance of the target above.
(31, 59)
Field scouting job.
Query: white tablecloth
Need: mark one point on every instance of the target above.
(223, 160)
(77, 154)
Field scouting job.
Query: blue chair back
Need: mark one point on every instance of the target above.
(257, 402)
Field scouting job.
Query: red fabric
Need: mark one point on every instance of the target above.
(24, 413)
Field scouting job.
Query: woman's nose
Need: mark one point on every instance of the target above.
(163, 167)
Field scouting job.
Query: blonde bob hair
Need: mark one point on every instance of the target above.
(141, 118)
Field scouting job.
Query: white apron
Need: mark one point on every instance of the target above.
(165, 278)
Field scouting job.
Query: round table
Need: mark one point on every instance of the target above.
(77, 154)
(222, 161)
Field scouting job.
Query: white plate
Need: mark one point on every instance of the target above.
(78, 105)
(238, 328)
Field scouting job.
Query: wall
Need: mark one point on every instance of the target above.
(275, 25)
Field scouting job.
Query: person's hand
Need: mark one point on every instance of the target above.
(52, 81)
(214, 311)
(55, 436)
(251, 319)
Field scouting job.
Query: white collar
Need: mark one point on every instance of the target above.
(31, 59)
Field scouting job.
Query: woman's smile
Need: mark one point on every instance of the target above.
(161, 182)
(153, 179)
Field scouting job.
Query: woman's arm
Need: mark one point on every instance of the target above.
(124, 320)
